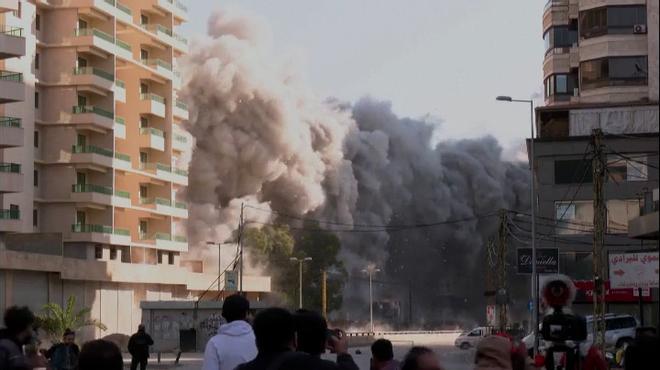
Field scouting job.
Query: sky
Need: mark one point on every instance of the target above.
(449, 59)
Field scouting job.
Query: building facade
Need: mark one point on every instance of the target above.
(600, 71)
(93, 158)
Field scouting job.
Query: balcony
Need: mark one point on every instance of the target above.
(11, 178)
(177, 81)
(165, 207)
(120, 127)
(165, 241)
(123, 13)
(10, 220)
(99, 234)
(153, 104)
(12, 88)
(153, 138)
(98, 194)
(89, 114)
(557, 60)
(92, 154)
(165, 173)
(11, 132)
(180, 143)
(95, 38)
(12, 42)
(180, 110)
(122, 161)
(8, 6)
(175, 7)
(167, 36)
(123, 50)
(106, 6)
(163, 68)
(93, 76)
(119, 89)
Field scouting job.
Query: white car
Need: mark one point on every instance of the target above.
(471, 338)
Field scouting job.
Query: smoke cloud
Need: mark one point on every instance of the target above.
(264, 139)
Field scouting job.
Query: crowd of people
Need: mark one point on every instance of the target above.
(277, 339)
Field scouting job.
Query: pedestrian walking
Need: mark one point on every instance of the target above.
(138, 347)
(64, 355)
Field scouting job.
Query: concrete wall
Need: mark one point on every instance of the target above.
(652, 21)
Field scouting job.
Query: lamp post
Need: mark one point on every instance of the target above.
(371, 270)
(300, 262)
(535, 282)
(219, 258)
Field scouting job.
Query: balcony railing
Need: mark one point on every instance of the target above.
(122, 194)
(100, 229)
(180, 38)
(151, 131)
(180, 138)
(10, 122)
(151, 96)
(120, 120)
(120, 83)
(181, 205)
(10, 214)
(79, 149)
(123, 45)
(180, 239)
(124, 8)
(181, 172)
(91, 188)
(11, 76)
(160, 201)
(181, 6)
(122, 157)
(10, 167)
(155, 166)
(94, 71)
(181, 105)
(94, 32)
(79, 109)
(157, 62)
(155, 28)
(11, 31)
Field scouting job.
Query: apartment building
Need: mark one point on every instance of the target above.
(600, 71)
(93, 158)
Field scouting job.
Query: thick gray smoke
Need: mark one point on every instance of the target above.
(264, 139)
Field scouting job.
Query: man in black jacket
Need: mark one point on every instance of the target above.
(18, 332)
(138, 347)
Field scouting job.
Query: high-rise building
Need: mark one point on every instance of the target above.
(93, 157)
(600, 71)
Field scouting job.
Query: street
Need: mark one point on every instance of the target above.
(451, 357)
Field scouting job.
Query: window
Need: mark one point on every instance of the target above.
(144, 54)
(621, 169)
(144, 20)
(37, 21)
(574, 218)
(113, 253)
(35, 217)
(611, 20)
(81, 218)
(98, 252)
(82, 24)
(560, 37)
(36, 178)
(578, 265)
(36, 139)
(144, 122)
(36, 60)
(82, 100)
(144, 157)
(143, 191)
(160, 257)
(560, 85)
(36, 100)
(614, 71)
(619, 213)
(573, 171)
(170, 258)
(142, 229)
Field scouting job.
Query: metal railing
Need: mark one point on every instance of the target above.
(122, 157)
(11, 76)
(99, 229)
(179, 5)
(79, 109)
(123, 45)
(157, 63)
(94, 71)
(156, 200)
(10, 122)
(120, 120)
(180, 38)
(10, 214)
(11, 31)
(94, 32)
(122, 194)
(181, 205)
(10, 167)
(181, 138)
(151, 131)
(152, 96)
(120, 83)
(124, 8)
(181, 105)
(155, 28)
(91, 188)
(180, 239)
(78, 149)
(180, 172)
(155, 167)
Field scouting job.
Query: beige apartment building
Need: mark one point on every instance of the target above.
(93, 158)
(600, 70)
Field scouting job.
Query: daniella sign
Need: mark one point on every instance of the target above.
(547, 260)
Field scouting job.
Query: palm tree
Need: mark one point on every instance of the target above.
(56, 319)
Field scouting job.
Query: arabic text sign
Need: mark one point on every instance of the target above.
(634, 270)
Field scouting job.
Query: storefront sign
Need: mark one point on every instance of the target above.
(547, 260)
(585, 293)
(634, 270)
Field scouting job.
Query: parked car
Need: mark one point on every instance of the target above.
(471, 338)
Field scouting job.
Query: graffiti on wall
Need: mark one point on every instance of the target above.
(166, 326)
(208, 327)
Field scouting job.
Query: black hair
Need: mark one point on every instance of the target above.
(274, 330)
(100, 355)
(17, 319)
(410, 362)
(382, 350)
(68, 331)
(235, 307)
(312, 331)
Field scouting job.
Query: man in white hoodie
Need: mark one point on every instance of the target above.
(235, 343)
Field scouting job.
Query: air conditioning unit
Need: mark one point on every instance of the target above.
(639, 29)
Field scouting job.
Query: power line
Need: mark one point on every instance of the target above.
(632, 159)
(555, 238)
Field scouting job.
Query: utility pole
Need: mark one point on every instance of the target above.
(600, 214)
(241, 225)
(324, 293)
(371, 270)
(300, 262)
(502, 293)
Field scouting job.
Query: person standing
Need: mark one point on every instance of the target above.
(235, 342)
(138, 347)
(382, 356)
(17, 333)
(64, 356)
(100, 355)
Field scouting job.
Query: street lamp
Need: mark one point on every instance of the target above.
(219, 257)
(300, 262)
(535, 309)
(371, 270)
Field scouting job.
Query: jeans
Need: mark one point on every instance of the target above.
(136, 361)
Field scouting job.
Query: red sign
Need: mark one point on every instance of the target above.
(585, 293)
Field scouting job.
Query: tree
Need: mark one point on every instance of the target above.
(56, 319)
